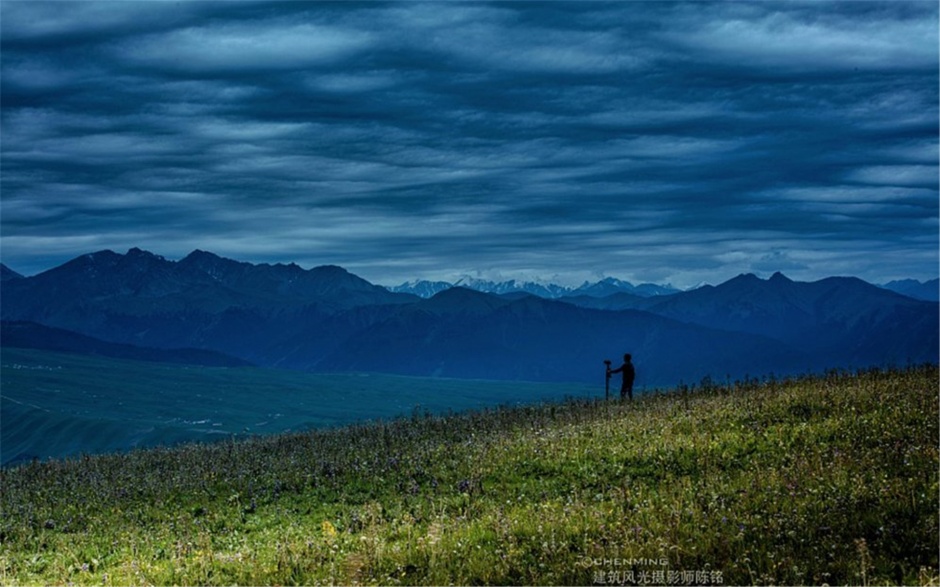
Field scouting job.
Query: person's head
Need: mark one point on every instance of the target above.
(627, 358)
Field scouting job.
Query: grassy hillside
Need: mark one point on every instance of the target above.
(819, 480)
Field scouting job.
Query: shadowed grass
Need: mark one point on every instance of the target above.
(830, 479)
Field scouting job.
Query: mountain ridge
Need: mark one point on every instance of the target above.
(7, 274)
(29, 335)
(927, 290)
(604, 287)
(327, 318)
(547, 340)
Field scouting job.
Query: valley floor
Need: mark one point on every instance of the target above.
(830, 479)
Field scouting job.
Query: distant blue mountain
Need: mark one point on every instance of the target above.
(844, 319)
(421, 288)
(202, 301)
(927, 290)
(605, 287)
(615, 302)
(29, 335)
(326, 319)
(6, 274)
(468, 334)
(610, 286)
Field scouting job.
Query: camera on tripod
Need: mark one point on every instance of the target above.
(607, 383)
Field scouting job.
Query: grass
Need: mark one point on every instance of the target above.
(59, 404)
(829, 479)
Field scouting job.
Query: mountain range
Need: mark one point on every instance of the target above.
(602, 288)
(609, 286)
(327, 319)
(928, 290)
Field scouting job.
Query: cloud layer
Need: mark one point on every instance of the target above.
(650, 141)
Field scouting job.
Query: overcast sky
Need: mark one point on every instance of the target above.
(651, 141)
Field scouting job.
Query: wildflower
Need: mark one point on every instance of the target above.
(329, 530)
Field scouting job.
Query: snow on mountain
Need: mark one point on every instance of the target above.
(422, 288)
(603, 288)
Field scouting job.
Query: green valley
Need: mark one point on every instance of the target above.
(60, 404)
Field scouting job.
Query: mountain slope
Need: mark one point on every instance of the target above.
(29, 335)
(202, 301)
(133, 283)
(616, 301)
(928, 290)
(326, 319)
(843, 319)
(7, 274)
(610, 286)
(481, 336)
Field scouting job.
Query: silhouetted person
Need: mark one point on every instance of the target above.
(629, 374)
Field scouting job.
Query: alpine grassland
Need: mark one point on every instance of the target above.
(809, 480)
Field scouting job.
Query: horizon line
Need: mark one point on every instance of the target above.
(522, 281)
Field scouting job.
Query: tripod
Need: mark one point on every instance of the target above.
(607, 382)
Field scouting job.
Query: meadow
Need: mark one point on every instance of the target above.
(824, 479)
(64, 405)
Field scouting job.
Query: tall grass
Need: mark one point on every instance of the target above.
(830, 479)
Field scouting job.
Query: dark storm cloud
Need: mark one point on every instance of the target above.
(660, 141)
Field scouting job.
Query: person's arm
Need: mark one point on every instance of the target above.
(617, 370)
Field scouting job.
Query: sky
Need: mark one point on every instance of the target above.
(650, 141)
